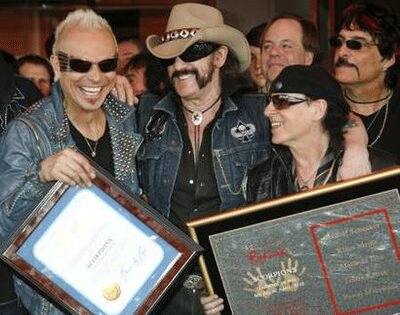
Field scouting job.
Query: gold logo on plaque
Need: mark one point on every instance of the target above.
(112, 292)
(288, 280)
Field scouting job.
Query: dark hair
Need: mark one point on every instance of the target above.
(383, 26)
(156, 74)
(133, 40)
(310, 38)
(334, 122)
(48, 45)
(36, 60)
(254, 35)
(9, 59)
(232, 80)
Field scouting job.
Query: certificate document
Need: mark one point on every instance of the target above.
(339, 259)
(98, 252)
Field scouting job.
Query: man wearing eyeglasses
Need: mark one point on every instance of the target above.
(63, 135)
(307, 113)
(366, 61)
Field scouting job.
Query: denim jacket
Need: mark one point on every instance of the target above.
(37, 134)
(240, 138)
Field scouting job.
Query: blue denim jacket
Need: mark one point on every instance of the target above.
(42, 132)
(240, 138)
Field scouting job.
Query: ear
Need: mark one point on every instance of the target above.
(387, 63)
(56, 66)
(309, 58)
(220, 56)
(319, 108)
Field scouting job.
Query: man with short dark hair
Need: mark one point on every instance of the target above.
(366, 64)
(288, 40)
(127, 49)
(38, 70)
(255, 71)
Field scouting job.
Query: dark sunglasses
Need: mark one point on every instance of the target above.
(353, 44)
(282, 101)
(67, 63)
(194, 52)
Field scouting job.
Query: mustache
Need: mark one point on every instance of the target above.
(184, 72)
(341, 62)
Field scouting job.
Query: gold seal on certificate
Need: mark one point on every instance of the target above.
(112, 292)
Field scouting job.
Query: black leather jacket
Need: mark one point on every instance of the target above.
(273, 177)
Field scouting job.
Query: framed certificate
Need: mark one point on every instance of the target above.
(98, 250)
(331, 250)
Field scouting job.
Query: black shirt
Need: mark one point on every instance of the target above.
(196, 191)
(383, 126)
(103, 148)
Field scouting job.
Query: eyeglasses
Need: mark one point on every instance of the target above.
(197, 51)
(284, 101)
(67, 63)
(353, 44)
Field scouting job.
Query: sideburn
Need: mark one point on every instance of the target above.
(204, 80)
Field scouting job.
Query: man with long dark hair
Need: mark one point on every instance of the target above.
(366, 64)
(201, 137)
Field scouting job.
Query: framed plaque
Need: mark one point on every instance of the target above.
(98, 250)
(331, 250)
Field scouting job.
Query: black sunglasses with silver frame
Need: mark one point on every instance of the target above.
(68, 64)
(353, 44)
(284, 101)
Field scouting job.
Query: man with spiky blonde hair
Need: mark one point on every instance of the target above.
(61, 137)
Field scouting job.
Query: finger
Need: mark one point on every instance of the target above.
(213, 303)
(120, 92)
(78, 168)
(69, 172)
(131, 99)
(85, 164)
(216, 310)
(67, 180)
(208, 298)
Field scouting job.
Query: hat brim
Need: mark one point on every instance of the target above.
(223, 35)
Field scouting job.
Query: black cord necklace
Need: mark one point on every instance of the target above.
(197, 119)
(367, 102)
(197, 115)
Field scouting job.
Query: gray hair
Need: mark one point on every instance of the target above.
(82, 18)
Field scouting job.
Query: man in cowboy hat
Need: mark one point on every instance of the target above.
(200, 138)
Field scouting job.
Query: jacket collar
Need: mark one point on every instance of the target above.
(170, 102)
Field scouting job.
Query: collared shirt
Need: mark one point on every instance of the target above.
(196, 191)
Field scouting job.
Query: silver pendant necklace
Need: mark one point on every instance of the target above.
(92, 149)
(197, 115)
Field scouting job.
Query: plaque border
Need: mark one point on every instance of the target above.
(201, 228)
(331, 294)
(176, 238)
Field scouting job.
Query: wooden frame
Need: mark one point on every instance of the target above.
(98, 249)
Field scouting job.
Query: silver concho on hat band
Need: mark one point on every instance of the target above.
(179, 34)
